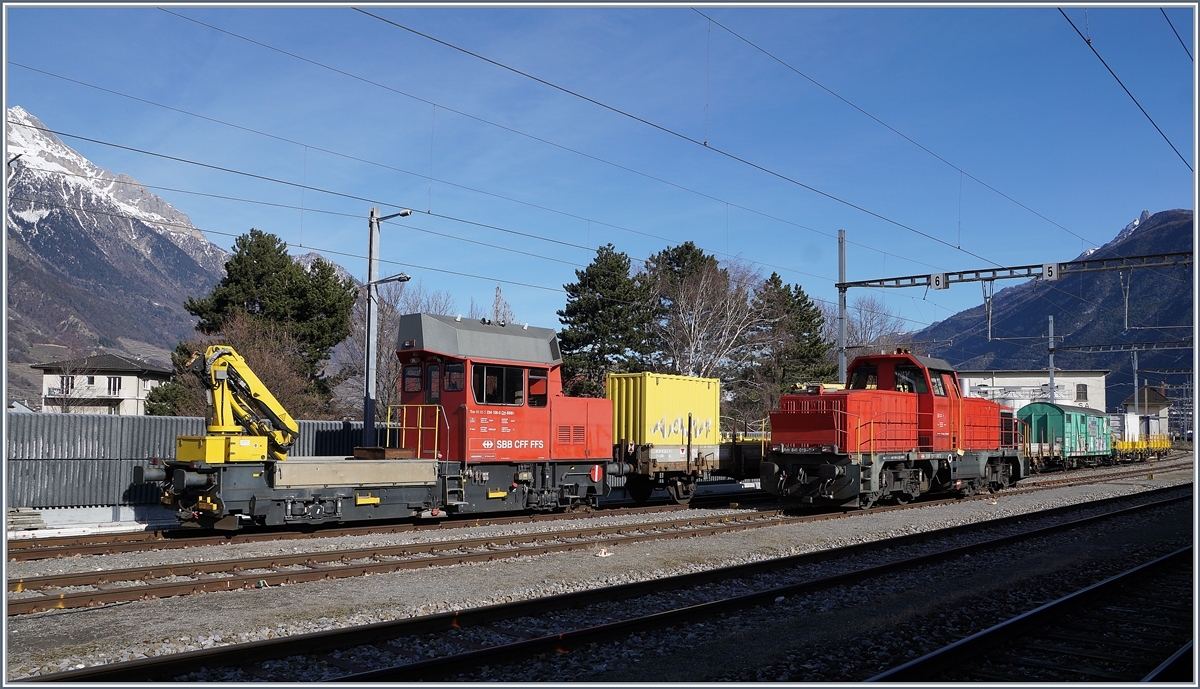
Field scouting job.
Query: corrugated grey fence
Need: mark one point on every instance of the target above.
(84, 460)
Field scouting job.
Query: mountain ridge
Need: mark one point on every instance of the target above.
(96, 262)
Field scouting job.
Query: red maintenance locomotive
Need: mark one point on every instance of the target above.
(901, 429)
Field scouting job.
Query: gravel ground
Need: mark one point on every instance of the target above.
(58, 640)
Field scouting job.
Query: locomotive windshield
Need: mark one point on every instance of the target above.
(936, 380)
(910, 379)
(864, 378)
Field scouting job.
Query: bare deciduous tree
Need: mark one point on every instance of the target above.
(709, 323)
(501, 310)
(269, 350)
(871, 326)
(394, 299)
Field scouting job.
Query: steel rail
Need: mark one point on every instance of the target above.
(336, 564)
(167, 539)
(178, 664)
(956, 656)
(109, 544)
(445, 667)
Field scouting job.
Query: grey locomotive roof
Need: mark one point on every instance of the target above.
(468, 338)
(930, 362)
(926, 361)
(1034, 372)
(102, 363)
(1067, 408)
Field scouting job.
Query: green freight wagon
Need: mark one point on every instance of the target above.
(1058, 435)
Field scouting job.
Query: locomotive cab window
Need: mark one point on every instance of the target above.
(951, 385)
(939, 388)
(910, 379)
(412, 378)
(865, 378)
(455, 377)
(433, 391)
(539, 387)
(498, 384)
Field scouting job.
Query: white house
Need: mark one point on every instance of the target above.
(100, 384)
(1149, 413)
(1018, 388)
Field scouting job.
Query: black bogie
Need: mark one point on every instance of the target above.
(839, 480)
(229, 496)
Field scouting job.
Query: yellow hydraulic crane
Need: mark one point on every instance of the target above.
(246, 422)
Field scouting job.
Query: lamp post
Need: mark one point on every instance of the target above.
(368, 438)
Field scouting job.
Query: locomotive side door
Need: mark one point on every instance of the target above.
(942, 409)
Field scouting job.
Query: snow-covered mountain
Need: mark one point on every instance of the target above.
(96, 262)
(55, 176)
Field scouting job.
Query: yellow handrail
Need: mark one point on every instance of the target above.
(418, 427)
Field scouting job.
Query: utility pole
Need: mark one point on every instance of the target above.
(1137, 408)
(842, 307)
(368, 437)
(1052, 360)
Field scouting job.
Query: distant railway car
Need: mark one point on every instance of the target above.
(1065, 436)
(899, 430)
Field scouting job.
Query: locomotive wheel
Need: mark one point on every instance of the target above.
(901, 498)
(681, 491)
(639, 488)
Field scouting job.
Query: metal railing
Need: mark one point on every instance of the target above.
(413, 421)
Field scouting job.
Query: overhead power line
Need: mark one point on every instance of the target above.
(902, 135)
(541, 140)
(680, 135)
(166, 223)
(1135, 100)
(1172, 25)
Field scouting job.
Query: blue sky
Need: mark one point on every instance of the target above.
(1012, 96)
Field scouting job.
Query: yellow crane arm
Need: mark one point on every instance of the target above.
(240, 403)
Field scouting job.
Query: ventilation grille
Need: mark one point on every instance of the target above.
(572, 435)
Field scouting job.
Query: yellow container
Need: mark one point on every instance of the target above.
(653, 408)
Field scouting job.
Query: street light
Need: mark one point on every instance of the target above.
(368, 438)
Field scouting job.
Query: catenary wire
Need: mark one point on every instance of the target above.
(1135, 100)
(302, 246)
(683, 137)
(468, 188)
(318, 189)
(533, 137)
(337, 193)
(382, 260)
(886, 125)
(699, 143)
(1172, 25)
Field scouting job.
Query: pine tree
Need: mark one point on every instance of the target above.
(262, 281)
(789, 348)
(605, 323)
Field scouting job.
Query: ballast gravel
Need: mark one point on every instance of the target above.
(59, 640)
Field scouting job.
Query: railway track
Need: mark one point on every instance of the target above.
(109, 544)
(1136, 626)
(101, 587)
(447, 645)
(169, 539)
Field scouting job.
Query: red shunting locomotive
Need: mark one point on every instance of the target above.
(486, 400)
(901, 429)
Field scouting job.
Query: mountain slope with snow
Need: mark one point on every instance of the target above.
(95, 261)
